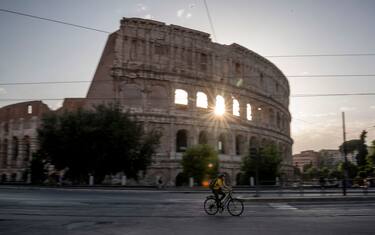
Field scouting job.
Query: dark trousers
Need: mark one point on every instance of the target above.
(218, 192)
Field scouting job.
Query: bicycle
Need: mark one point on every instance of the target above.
(234, 206)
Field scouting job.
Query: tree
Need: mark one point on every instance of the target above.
(268, 162)
(97, 142)
(200, 161)
(37, 170)
(351, 168)
(362, 151)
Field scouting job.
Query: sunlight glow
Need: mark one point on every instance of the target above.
(236, 108)
(220, 105)
(181, 97)
(202, 100)
(248, 112)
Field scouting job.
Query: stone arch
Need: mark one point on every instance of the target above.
(202, 100)
(203, 137)
(181, 140)
(278, 120)
(13, 177)
(263, 143)
(26, 149)
(228, 179)
(253, 143)
(4, 153)
(3, 178)
(239, 179)
(240, 145)
(15, 148)
(131, 95)
(271, 114)
(236, 107)
(181, 97)
(158, 97)
(222, 144)
(181, 179)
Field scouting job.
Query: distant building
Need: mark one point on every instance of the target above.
(305, 158)
(330, 157)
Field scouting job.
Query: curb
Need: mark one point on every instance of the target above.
(308, 199)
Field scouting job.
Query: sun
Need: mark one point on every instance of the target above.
(220, 105)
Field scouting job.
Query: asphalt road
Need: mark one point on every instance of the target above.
(87, 211)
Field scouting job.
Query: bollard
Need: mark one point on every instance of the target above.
(123, 180)
(91, 180)
(191, 182)
(251, 181)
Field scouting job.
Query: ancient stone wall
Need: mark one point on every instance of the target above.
(162, 73)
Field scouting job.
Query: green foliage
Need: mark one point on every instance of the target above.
(268, 163)
(350, 146)
(37, 168)
(351, 168)
(99, 142)
(362, 150)
(200, 162)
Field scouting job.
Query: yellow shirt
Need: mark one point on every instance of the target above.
(219, 184)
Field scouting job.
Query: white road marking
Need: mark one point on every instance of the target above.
(282, 206)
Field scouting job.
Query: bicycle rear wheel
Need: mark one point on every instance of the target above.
(235, 207)
(210, 206)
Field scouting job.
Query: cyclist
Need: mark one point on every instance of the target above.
(218, 187)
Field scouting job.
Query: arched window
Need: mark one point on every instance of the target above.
(240, 145)
(181, 141)
(271, 113)
(27, 150)
(220, 105)
(180, 97)
(236, 108)
(253, 142)
(221, 144)
(14, 149)
(248, 112)
(202, 100)
(4, 153)
(278, 120)
(203, 138)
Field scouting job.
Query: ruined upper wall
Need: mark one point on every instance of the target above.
(23, 110)
(151, 45)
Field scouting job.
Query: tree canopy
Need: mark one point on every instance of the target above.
(97, 142)
(200, 161)
(268, 163)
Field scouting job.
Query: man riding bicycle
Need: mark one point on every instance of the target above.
(218, 187)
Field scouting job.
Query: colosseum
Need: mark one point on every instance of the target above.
(178, 81)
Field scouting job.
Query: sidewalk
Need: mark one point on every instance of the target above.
(245, 194)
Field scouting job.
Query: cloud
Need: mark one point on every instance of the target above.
(191, 5)
(188, 15)
(2, 91)
(180, 13)
(372, 107)
(347, 108)
(148, 16)
(141, 7)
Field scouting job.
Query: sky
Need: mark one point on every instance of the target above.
(33, 50)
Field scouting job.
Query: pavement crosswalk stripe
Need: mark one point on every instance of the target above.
(282, 206)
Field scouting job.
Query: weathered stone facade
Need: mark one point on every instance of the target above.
(171, 78)
(18, 133)
(145, 64)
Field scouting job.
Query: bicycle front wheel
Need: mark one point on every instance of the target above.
(210, 206)
(235, 207)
